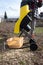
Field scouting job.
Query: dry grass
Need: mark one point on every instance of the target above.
(20, 56)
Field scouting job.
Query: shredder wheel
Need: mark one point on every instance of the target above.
(33, 45)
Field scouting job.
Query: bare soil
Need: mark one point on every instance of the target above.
(19, 56)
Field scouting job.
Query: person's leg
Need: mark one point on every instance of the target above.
(33, 24)
(33, 45)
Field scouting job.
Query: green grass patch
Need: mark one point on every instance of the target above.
(22, 63)
(39, 30)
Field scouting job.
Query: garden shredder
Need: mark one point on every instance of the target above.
(27, 11)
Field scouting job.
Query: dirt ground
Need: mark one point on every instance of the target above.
(19, 56)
